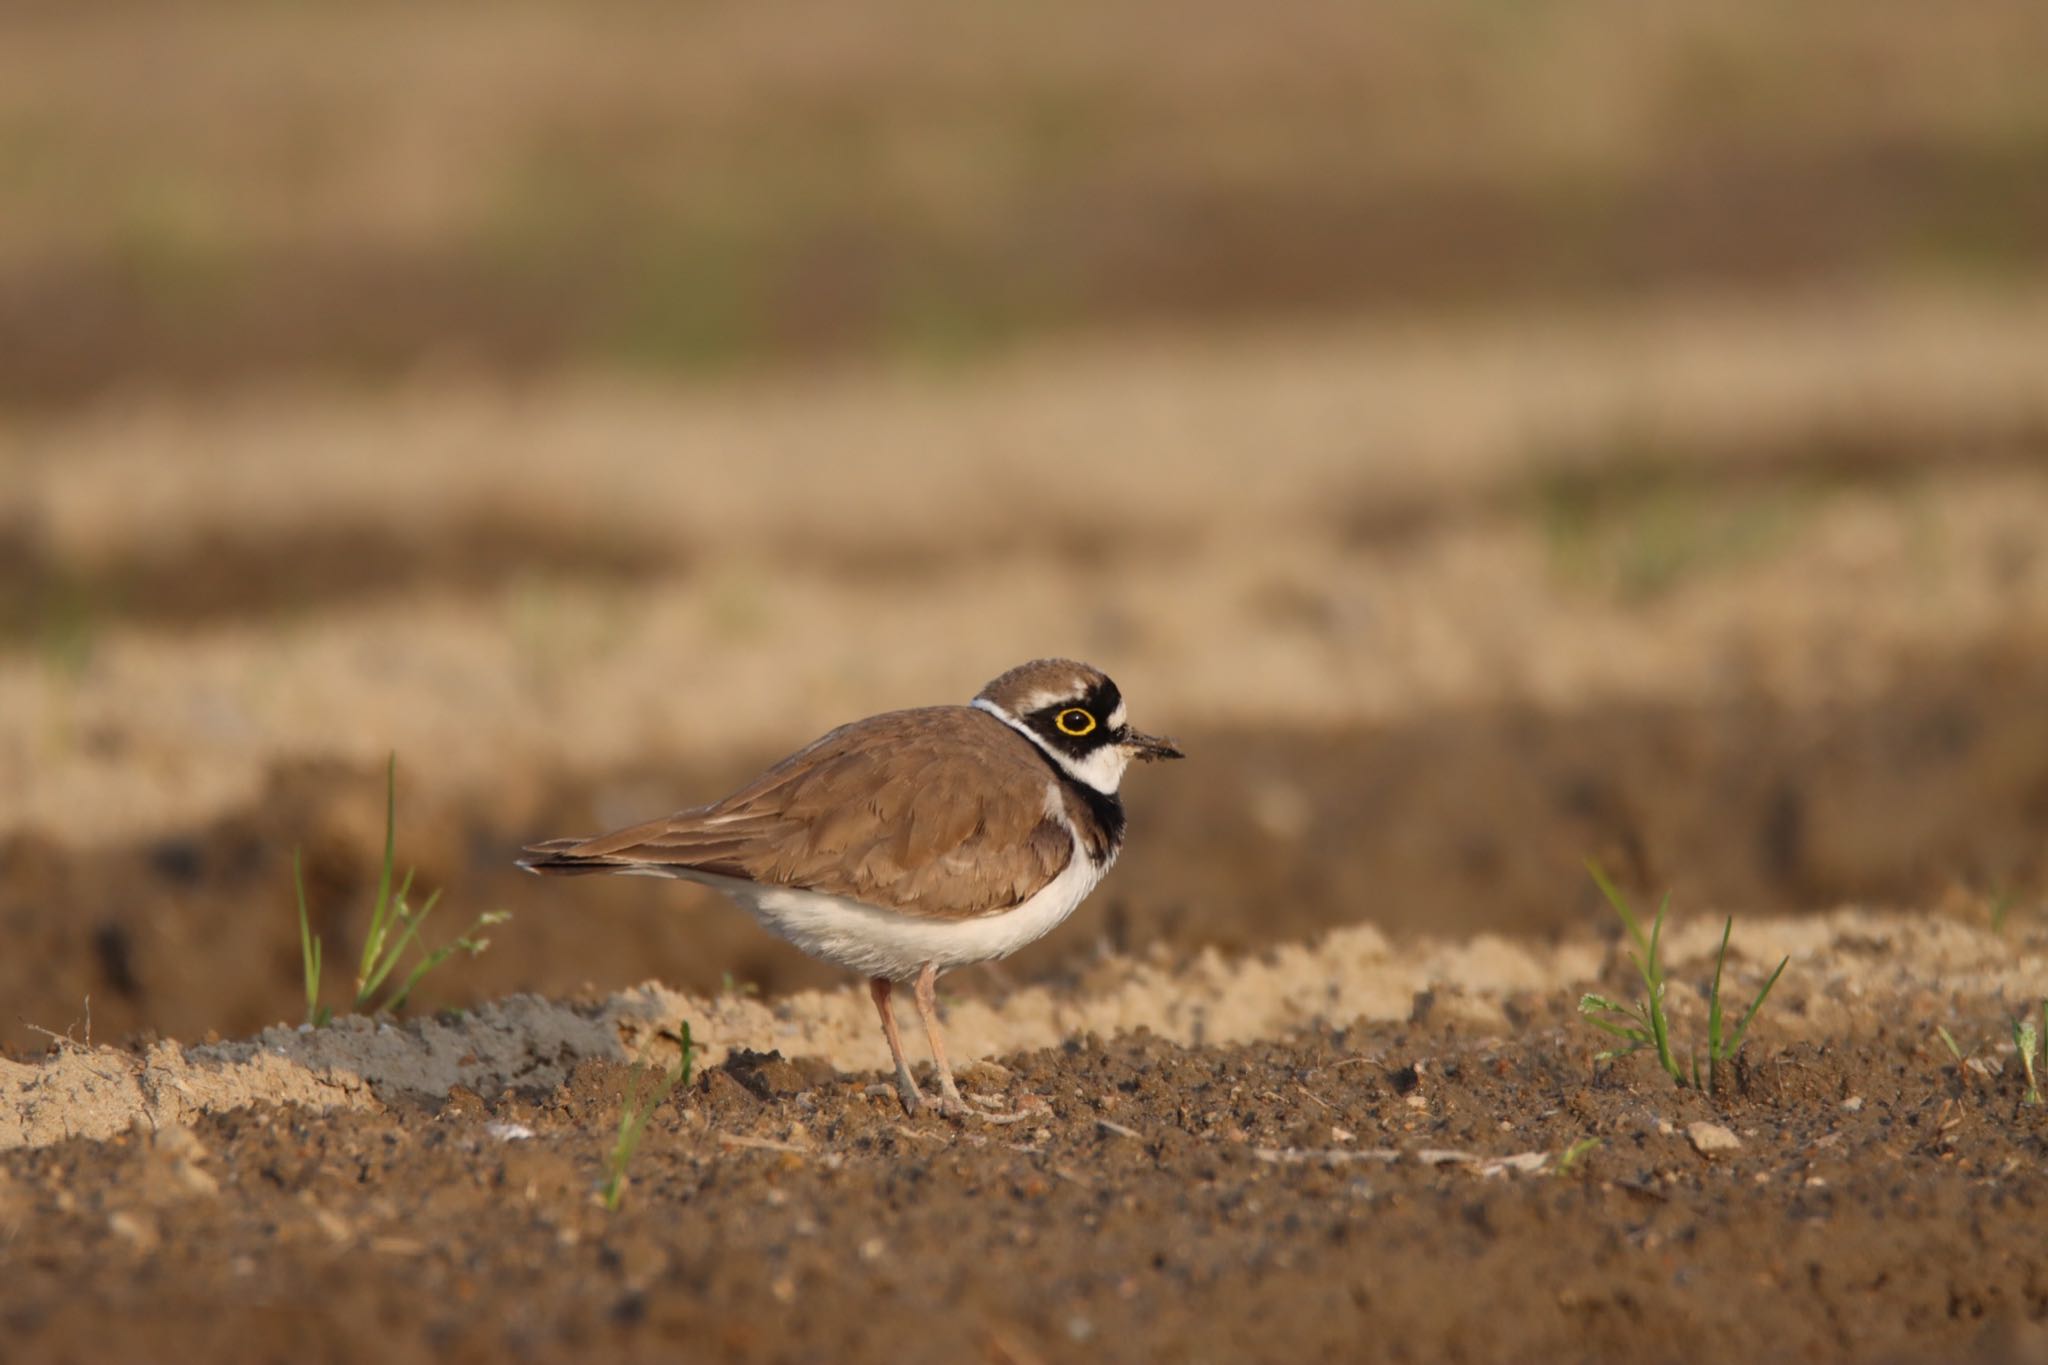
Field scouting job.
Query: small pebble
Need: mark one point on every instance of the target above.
(1709, 1138)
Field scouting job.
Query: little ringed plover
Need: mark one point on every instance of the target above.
(914, 841)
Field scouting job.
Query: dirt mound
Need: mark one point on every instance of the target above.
(529, 1045)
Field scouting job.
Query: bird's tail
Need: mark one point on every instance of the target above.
(559, 858)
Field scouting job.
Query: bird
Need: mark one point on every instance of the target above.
(912, 842)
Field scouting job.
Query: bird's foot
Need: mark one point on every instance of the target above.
(907, 1094)
(950, 1103)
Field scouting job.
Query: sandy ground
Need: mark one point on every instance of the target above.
(1748, 603)
(1366, 1129)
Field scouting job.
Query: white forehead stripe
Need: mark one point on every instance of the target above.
(1041, 699)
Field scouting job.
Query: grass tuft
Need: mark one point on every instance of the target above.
(1570, 1156)
(642, 1098)
(317, 1014)
(1644, 1023)
(394, 928)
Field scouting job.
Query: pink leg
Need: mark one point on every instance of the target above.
(906, 1084)
(927, 1010)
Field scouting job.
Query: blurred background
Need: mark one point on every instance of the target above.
(1487, 433)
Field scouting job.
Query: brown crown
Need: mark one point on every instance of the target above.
(1042, 677)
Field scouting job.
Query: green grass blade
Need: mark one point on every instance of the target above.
(1742, 1029)
(379, 951)
(636, 1113)
(395, 928)
(1626, 1021)
(467, 942)
(1635, 1036)
(388, 960)
(373, 941)
(309, 944)
(1653, 974)
(1657, 939)
(1714, 1052)
(1646, 955)
(1570, 1156)
(1619, 902)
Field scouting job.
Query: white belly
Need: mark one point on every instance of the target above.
(878, 942)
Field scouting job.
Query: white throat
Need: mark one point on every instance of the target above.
(1102, 770)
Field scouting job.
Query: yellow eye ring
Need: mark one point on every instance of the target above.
(1074, 721)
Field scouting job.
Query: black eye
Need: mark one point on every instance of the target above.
(1074, 721)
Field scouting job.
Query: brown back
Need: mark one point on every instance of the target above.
(939, 812)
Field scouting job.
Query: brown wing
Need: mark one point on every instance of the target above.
(939, 812)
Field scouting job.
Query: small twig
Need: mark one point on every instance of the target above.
(1323, 1156)
(1327, 1106)
(1110, 1127)
(59, 1039)
(62, 1040)
(1427, 1156)
(763, 1144)
(909, 1132)
(1521, 1163)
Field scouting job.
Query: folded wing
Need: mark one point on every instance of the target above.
(943, 812)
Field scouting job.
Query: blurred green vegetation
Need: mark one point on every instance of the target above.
(1646, 524)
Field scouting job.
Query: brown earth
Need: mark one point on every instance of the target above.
(1421, 1191)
